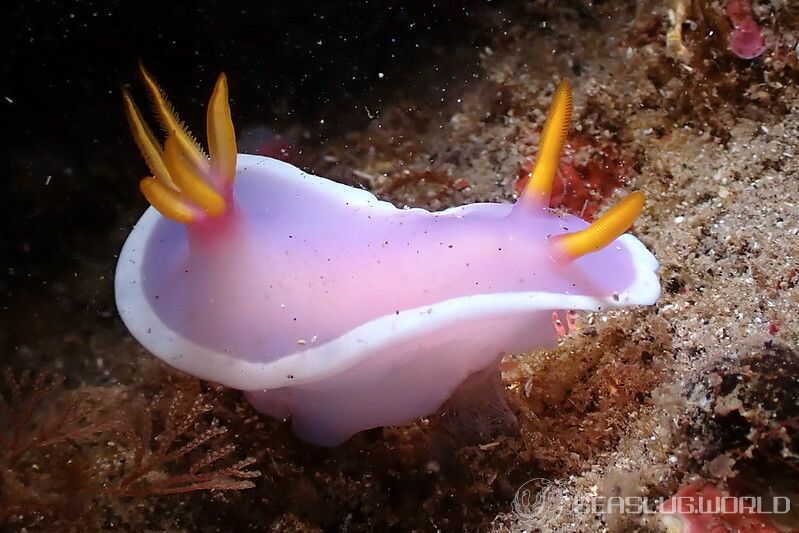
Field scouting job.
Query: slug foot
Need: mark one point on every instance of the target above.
(477, 412)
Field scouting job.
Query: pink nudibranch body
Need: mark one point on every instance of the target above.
(342, 312)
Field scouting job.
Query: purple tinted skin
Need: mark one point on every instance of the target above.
(395, 308)
(295, 264)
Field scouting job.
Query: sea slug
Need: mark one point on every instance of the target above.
(338, 310)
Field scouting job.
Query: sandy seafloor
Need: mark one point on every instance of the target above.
(637, 402)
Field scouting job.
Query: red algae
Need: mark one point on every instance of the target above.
(703, 508)
(746, 40)
(582, 184)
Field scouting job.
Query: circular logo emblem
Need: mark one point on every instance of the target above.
(537, 501)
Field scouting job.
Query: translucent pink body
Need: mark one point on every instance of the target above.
(343, 312)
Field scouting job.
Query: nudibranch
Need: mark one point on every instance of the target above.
(340, 311)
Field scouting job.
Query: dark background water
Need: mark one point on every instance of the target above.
(70, 169)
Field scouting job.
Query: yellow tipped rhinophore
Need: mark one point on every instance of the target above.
(170, 122)
(145, 140)
(221, 137)
(185, 185)
(553, 136)
(168, 201)
(189, 177)
(602, 231)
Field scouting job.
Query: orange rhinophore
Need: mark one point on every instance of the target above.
(186, 185)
